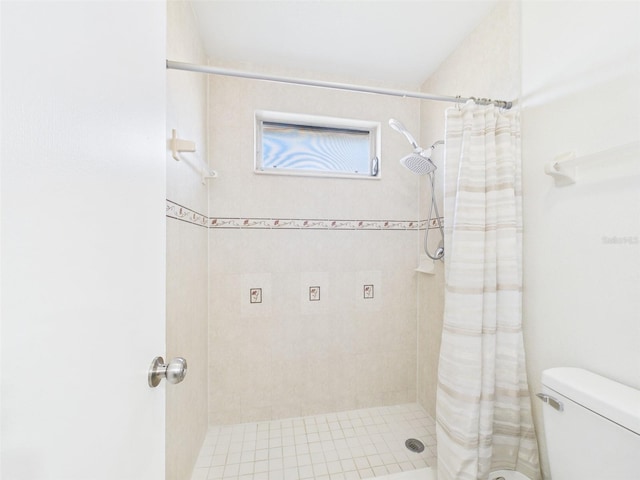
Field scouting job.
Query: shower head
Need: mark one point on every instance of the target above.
(419, 161)
(399, 127)
(418, 164)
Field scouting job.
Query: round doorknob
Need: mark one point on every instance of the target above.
(174, 371)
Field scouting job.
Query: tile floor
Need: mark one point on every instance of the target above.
(349, 445)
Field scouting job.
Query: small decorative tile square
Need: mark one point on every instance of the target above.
(368, 291)
(314, 294)
(255, 295)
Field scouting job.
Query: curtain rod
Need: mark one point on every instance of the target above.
(190, 67)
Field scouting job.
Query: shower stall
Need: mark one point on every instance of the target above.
(312, 300)
(311, 357)
(301, 320)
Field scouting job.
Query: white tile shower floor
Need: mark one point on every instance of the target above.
(348, 445)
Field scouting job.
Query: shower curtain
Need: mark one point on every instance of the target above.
(483, 408)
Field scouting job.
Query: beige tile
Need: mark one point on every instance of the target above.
(314, 349)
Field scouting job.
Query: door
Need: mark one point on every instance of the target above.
(83, 239)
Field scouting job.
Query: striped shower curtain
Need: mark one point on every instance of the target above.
(483, 407)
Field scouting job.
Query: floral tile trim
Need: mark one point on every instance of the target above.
(177, 211)
(185, 214)
(301, 224)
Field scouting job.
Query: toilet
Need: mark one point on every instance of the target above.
(592, 426)
(507, 475)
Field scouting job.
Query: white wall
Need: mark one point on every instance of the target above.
(580, 78)
(187, 276)
(1, 309)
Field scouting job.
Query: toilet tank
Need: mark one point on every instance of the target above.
(592, 426)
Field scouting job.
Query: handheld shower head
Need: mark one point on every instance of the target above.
(418, 164)
(399, 127)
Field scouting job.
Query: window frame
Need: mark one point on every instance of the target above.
(372, 128)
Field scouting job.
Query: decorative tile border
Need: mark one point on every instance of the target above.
(185, 214)
(312, 224)
(179, 212)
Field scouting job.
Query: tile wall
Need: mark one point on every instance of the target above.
(187, 275)
(312, 293)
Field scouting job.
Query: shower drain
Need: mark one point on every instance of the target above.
(414, 445)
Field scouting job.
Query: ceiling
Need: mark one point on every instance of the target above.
(392, 43)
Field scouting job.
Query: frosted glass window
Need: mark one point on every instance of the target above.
(306, 145)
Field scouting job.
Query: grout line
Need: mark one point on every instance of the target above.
(233, 453)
